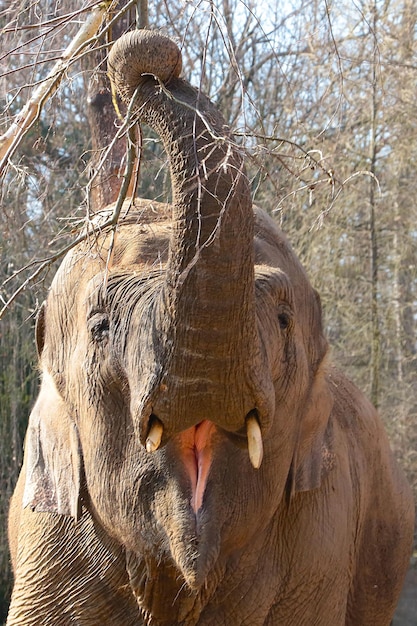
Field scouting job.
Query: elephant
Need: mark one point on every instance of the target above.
(193, 456)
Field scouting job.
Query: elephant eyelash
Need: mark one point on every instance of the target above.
(284, 320)
(284, 316)
(99, 326)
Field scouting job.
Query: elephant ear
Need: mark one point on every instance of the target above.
(52, 450)
(52, 456)
(314, 456)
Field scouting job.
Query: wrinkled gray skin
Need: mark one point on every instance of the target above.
(200, 317)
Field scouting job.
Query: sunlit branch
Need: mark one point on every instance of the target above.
(11, 139)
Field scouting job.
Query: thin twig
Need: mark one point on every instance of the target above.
(91, 228)
(11, 139)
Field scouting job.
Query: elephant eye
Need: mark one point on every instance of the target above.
(99, 326)
(284, 320)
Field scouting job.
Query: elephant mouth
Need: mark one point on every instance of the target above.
(198, 462)
(196, 453)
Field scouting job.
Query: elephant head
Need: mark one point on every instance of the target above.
(183, 394)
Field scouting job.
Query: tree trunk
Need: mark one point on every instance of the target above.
(376, 335)
(103, 122)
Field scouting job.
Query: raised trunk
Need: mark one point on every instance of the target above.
(206, 319)
(210, 275)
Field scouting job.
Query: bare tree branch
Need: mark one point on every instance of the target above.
(11, 139)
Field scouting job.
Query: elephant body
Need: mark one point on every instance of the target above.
(193, 458)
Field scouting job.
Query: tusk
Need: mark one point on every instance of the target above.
(255, 445)
(153, 440)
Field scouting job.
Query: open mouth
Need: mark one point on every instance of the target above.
(189, 508)
(197, 453)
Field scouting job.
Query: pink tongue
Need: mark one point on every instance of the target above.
(197, 455)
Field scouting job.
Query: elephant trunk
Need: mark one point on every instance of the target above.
(206, 319)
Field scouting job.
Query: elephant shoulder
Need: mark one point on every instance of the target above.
(365, 441)
(383, 504)
(352, 409)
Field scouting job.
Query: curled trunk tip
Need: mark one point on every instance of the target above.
(142, 52)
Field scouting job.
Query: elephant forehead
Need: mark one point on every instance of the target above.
(141, 246)
(141, 243)
(143, 235)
